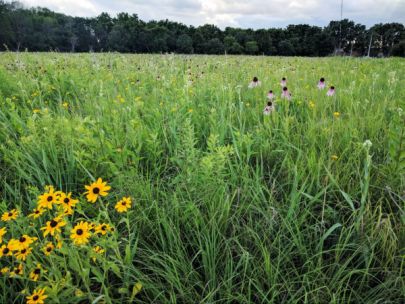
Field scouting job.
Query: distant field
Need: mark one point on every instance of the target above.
(228, 205)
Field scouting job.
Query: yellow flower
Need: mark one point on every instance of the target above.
(19, 270)
(80, 233)
(336, 114)
(23, 242)
(102, 229)
(65, 105)
(5, 270)
(97, 250)
(47, 199)
(37, 297)
(334, 157)
(5, 250)
(311, 104)
(36, 272)
(79, 293)
(48, 248)
(123, 205)
(136, 289)
(3, 231)
(23, 253)
(190, 110)
(59, 241)
(9, 215)
(36, 111)
(96, 189)
(37, 212)
(66, 200)
(53, 226)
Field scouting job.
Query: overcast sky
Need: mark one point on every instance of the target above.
(237, 13)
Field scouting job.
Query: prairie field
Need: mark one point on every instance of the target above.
(211, 201)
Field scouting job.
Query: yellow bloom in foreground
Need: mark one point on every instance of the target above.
(36, 272)
(9, 215)
(19, 270)
(37, 297)
(5, 250)
(5, 270)
(23, 242)
(311, 104)
(123, 205)
(3, 231)
(336, 114)
(47, 199)
(97, 250)
(37, 212)
(96, 189)
(23, 253)
(53, 226)
(66, 200)
(101, 229)
(334, 157)
(36, 111)
(80, 233)
(48, 248)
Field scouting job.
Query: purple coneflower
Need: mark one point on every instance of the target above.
(254, 83)
(286, 94)
(270, 95)
(269, 108)
(321, 83)
(331, 91)
(283, 82)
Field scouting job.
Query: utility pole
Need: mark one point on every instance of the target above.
(369, 45)
(340, 25)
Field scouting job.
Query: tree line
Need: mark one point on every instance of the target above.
(40, 29)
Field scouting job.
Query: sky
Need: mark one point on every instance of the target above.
(237, 13)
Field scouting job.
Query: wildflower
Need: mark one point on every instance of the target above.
(97, 250)
(3, 231)
(80, 233)
(65, 105)
(67, 201)
(283, 82)
(136, 289)
(19, 270)
(102, 229)
(59, 241)
(321, 83)
(48, 248)
(36, 272)
(286, 94)
(53, 226)
(37, 212)
(9, 215)
(47, 199)
(331, 91)
(5, 270)
(23, 242)
(23, 253)
(5, 250)
(367, 144)
(37, 297)
(96, 189)
(190, 110)
(334, 157)
(123, 205)
(254, 83)
(79, 293)
(336, 114)
(269, 108)
(36, 111)
(311, 104)
(270, 95)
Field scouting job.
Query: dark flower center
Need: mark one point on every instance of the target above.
(96, 190)
(283, 79)
(37, 271)
(79, 231)
(271, 92)
(123, 203)
(255, 79)
(322, 79)
(53, 224)
(49, 249)
(22, 239)
(50, 198)
(332, 87)
(23, 251)
(17, 271)
(285, 89)
(10, 214)
(103, 227)
(269, 103)
(36, 297)
(36, 211)
(6, 250)
(66, 200)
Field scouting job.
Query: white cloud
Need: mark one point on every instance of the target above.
(244, 13)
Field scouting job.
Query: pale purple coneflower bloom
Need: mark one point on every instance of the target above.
(283, 82)
(270, 95)
(254, 83)
(286, 94)
(321, 83)
(269, 108)
(331, 91)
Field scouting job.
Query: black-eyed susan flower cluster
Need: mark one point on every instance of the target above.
(28, 243)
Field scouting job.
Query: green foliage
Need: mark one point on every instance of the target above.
(229, 205)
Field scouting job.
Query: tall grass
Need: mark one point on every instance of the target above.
(230, 206)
